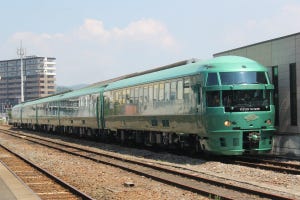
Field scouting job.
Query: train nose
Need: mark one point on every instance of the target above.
(251, 117)
(254, 136)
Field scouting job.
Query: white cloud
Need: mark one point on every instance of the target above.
(92, 29)
(35, 43)
(251, 31)
(145, 30)
(92, 53)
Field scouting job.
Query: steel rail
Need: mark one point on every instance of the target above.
(282, 167)
(72, 189)
(197, 178)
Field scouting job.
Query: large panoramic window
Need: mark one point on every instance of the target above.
(213, 98)
(246, 100)
(231, 78)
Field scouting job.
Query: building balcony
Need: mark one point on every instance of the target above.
(32, 90)
(32, 84)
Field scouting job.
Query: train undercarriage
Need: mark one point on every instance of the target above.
(164, 140)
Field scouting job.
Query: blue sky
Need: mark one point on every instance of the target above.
(95, 40)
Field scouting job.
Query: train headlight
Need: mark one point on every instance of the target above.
(227, 123)
(269, 122)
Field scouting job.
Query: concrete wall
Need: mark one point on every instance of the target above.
(287, 145)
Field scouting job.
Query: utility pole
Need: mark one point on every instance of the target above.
(21, 53)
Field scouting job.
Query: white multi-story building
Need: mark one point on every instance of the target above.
(39, 79)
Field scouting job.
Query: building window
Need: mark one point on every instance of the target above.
(293, 94)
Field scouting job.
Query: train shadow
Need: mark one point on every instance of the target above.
(146, 153)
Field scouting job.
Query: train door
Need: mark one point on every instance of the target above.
(199, 96)
(36, 114)
(21, 116)
(199, 106)
(100, 112)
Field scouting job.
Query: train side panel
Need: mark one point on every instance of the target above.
(17, 115)
(165, 106)
(198, 106)
(80, 111)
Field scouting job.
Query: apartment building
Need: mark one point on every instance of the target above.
(39, 79)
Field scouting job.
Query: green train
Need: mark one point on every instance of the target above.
(222, 106)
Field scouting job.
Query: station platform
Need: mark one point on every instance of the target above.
(12, 188)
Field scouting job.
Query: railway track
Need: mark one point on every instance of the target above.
(194, 182)
(43, 183)
(266, 164)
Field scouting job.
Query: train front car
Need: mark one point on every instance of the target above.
(239, 111)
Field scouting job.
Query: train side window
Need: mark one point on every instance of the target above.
(199, 94)
(212, 79)
(141, 95)
(127, 96)
(146, 98)
(180, 90)
(167, 91)
(161, 91)
(213, 98)
(110, 101)
(75, 103)
(116, 96)
(186, 90)
(155, 95)
(173, 91)
(81, 101)
(124, 97)
(120, 96)
(150, 93)
(87, 101)
(131, 95)
(136, 95)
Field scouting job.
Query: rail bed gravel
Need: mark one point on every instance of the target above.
(104, 182)
(97, 180)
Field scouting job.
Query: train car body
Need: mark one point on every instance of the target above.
(223, 106)
(200, 104)
(75, 111)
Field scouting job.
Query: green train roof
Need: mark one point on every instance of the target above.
(222, 63)
(233, 63)
(67, 95)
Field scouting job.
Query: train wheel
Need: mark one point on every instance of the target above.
(195, 145)
(90, 132)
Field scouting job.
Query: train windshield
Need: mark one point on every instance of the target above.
(246, 100)
(231, 78)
